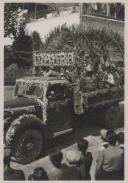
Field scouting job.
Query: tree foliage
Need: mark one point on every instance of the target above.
(20, 52)
(8, 56)
(14, 27)
(22, 47)
(36, 41)
(85, 41)
(95, 49)
(12, 21)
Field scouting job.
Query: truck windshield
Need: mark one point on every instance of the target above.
(28, 90)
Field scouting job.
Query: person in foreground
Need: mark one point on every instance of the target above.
(85, 159)
(59, 171)
(103, 134)
(73, 160)
(38, 174)
(110, 161)
(9, 173)
(120, 139)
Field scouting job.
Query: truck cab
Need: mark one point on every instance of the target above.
(41, 109)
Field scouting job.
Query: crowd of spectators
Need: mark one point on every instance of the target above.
(110, 162)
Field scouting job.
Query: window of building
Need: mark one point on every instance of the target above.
(109, 10)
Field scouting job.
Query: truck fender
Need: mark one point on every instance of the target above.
(24, 122)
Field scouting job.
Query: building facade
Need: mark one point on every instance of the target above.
(110, 16)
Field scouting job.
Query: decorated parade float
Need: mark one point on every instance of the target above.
(78, 72)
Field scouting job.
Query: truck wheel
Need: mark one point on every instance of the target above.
(112, 117)
(28, 146)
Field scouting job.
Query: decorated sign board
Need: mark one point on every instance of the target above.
(56, 59)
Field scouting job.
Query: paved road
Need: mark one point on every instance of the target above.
(89, 130)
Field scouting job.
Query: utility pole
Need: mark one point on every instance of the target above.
(35, 10)
(81, 12)
(115, 11)
(108, 9)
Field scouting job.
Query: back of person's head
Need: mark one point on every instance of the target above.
(56, 158)
(110, 131)
(40, 174)
(112, 138)
(82, 145)
(120, 137)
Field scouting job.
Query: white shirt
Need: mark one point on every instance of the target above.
(110, 79)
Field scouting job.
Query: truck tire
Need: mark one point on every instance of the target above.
(28, 146)
(112, 117)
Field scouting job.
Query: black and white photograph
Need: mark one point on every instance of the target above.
(64, 66)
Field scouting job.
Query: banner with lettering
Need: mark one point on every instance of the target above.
(58, 58)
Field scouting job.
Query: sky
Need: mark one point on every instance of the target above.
(44, 26)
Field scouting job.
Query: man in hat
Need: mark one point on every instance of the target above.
(9, 173)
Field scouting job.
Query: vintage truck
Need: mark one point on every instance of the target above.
(46, 106)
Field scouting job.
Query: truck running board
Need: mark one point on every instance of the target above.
(61, 132)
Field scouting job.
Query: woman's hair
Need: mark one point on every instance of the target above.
(56, 158)
(120, 138)
(112, 138)
(82, 145)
